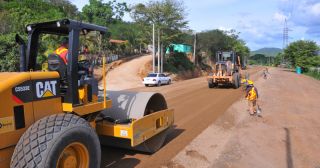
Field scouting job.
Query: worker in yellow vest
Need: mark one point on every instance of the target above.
(252, 97)
(62, 51)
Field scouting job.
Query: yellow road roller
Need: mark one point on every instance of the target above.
(59, 118)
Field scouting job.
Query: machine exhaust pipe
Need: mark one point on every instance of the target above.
(22, 44)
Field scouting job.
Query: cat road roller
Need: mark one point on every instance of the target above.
(59, 118)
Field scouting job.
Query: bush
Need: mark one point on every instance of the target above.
(313, 72)
(9, 53)
(302, 53)
(252, 62)
(178, 62)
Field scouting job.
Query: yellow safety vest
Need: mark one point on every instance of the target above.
(252, 94)
(62, 52)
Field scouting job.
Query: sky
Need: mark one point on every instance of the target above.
(260, 22)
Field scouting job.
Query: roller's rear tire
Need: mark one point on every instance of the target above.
(60, 140)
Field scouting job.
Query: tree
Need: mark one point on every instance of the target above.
(241, 49)
(302, 53)
(217, 40)
(278, 59)
(16, 14)
(128, 31)
(212, 41)
(19, 13)
(67, 8)
(259, 59)
(9, 53)
(103, 14)
(167, 15)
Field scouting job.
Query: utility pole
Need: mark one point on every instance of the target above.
(194, 48)
(162, 54)
(158, 50)
(153, 50)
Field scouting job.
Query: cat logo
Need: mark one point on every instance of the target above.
(46, 89)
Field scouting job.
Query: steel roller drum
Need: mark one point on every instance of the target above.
(135, 105)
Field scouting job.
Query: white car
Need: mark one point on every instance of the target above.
(156, 79)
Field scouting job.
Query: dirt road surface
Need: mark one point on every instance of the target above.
(287, 135)
(126, 75)
(196, 107)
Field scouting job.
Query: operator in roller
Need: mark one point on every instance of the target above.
(62, 51)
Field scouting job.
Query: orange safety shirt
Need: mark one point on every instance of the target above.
(62, 52)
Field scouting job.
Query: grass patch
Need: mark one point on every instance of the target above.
(313, 74)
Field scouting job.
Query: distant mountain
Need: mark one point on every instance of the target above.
(267, 51)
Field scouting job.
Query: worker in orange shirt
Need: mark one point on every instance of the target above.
(62, 51)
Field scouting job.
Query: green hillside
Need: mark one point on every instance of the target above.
(267, 51)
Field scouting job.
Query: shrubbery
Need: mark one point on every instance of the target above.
(302, 53)
(313, 74)
(9, 53)
(178, 62)
(312, 71)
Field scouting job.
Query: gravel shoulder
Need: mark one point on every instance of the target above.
(287, 135)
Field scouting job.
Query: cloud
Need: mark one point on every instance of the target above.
(314, 31)
(259, 33)
(244, 14)
(303, 13)
(315, 9)
(224, 28)
(210, 3)
(279, 16)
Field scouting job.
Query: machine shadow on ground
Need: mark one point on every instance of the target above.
(116, 157)
(223, 87)
(112, 157)
(288, 149)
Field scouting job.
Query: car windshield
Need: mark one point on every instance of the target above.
(152, 75)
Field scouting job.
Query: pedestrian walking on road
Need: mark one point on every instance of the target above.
(265, 73)
(252, 97)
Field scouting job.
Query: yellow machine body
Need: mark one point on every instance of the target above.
(19, 110)
(139, 130)
(29, 96)
(33, 98)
